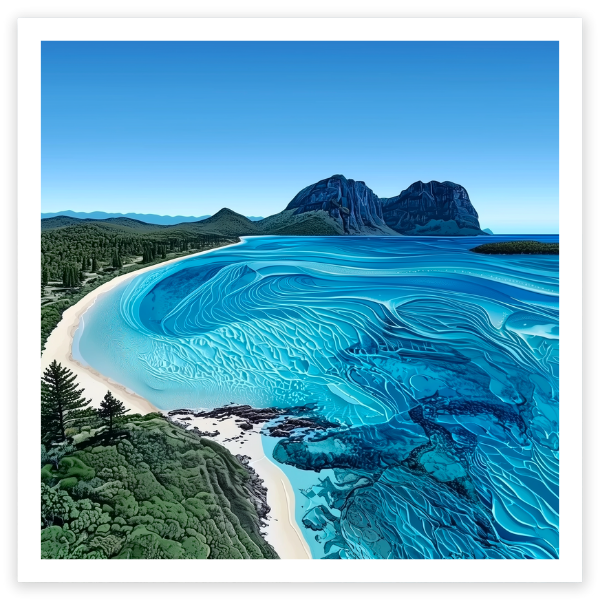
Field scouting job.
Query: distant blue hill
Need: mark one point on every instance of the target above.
(154, 219)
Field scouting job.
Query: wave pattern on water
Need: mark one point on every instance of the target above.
(439, 365)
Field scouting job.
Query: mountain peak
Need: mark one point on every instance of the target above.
(433, 202)
(351, 204)
(226, 211)
(229, 221)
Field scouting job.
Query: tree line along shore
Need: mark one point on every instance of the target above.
(77, 259)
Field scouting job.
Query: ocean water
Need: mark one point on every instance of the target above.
(439, 367)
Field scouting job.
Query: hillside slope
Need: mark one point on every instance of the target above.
(153, 492)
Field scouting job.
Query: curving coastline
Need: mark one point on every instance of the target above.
(60, 342)
(281, 530)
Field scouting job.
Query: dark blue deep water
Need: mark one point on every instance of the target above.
(439, 366)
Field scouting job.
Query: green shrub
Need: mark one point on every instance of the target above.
(161, 493)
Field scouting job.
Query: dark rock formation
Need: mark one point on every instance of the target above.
(413, 210)
(257, 490)
(206, 433)
(289, 426)
(288, 420)
(350, 203)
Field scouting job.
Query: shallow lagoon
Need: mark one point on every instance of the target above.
(440, 366)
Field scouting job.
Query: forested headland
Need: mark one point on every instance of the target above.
(123, 486)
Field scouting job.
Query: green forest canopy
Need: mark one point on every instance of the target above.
(127, 486)
(80, 257)
(517, 247)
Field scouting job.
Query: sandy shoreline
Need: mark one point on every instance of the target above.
(282, 531)
(60, 341)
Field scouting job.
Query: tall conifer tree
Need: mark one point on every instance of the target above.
(62, 404)
(111, 409)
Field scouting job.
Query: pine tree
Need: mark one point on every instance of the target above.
(69, 276)
(117, 262)
(111, 409)
(62, 404)
(45, 276)
(164, 251)
(84, 264)
(94, 265)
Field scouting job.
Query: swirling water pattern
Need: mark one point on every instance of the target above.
(440, 366)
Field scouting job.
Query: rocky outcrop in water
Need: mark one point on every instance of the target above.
(285, 421)
(431, 209)
(351, 204)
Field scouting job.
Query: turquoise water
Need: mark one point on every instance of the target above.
(439, 365)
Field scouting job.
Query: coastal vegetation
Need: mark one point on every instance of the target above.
(62, 404)
(133, 487)
(517, 247)
(77, 258)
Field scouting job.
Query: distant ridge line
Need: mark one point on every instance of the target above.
(152, 219)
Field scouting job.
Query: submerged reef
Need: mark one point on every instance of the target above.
(423, 490)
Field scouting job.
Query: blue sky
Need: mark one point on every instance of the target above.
(190, 127)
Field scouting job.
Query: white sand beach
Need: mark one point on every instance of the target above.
(282, 531)
(60, 341)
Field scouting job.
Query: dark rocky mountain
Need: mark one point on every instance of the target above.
(350, 204)
(334, 206)
(432, 209)
(340, 206)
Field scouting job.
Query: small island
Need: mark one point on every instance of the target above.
(517, 247)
